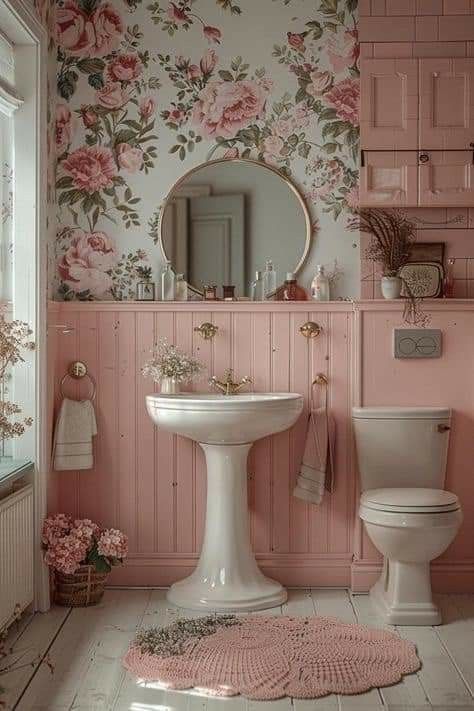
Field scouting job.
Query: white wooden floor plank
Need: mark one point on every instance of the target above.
(337, 603)
(87, 665)
(457, 635)
(409, 691)
(31, 640)
(89, 677)
(438, 675)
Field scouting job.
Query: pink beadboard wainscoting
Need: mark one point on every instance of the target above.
(152, 484)
(448, 381)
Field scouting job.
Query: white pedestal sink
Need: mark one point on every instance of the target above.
(227, 577)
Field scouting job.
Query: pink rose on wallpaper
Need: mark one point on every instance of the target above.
(320, 82)
(91, 168)
(212, 34)
(343, 49)
(89, 116)
(74, 31)
(112, 96)
(108, 30)
(193, 71)
(208, 61)
(301, 116)
(283, 128)
(64, 126)
(83, 267)
(146, 107)
(296, 41)
(175, 14)
(125, 67)
(272, 146)
(88, 35)
(225, 107)
(344, 97)
(129, 158)
(176, 116)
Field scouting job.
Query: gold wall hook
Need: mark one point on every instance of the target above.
(320, 379)
(206, 330)
(77, 369)
(310, 329)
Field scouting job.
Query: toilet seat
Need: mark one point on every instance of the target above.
(410, 500)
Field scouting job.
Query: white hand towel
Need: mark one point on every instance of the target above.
(75, 427)
(317, 468)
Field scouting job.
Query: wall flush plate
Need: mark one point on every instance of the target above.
(417, 343)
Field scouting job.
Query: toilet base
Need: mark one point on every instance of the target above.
(402, 594)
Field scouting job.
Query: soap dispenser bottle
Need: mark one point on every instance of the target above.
(168, 281)
(320, 288)
(291, 290)
(269, 279)
(257, 288)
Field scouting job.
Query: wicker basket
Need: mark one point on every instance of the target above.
(83, 588)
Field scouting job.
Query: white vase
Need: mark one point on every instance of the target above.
(170, 386)
(391, 287)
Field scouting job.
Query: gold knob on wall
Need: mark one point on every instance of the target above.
(206, 330)
(310, 329)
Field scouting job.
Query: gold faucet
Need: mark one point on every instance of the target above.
(228, 387)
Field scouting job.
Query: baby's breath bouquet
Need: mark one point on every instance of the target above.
(169, 364)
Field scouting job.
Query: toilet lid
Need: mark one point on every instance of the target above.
(410, 500)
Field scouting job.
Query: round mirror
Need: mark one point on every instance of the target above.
(224, 219)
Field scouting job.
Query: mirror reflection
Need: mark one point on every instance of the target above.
(225, 219)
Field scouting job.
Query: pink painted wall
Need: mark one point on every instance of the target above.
(423, 28)
(152, 484)
(446, 381)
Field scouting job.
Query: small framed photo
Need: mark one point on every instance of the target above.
(427, 252)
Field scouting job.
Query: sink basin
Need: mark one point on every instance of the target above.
(226, 577)
(225, 419)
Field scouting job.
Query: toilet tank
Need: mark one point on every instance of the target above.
(401, 446)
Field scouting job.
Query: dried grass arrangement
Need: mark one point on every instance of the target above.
(393, 236)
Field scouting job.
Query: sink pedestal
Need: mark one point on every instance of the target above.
(227, 577)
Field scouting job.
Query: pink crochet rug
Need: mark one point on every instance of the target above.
(270, 657)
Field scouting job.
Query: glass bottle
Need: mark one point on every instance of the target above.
(269, 279)
(291, 290)
(448, 281)
(257, 288)
(181, 288)
(320, 288)
(168, 283)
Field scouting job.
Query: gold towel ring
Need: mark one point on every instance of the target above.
(77, 370)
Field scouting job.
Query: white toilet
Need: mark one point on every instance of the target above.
(410, 518)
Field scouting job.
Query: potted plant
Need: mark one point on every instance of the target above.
(392, 238)
(170, 367)
(393, 235)
(81, 554)
(15, 337)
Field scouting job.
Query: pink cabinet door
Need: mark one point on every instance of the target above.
(446, 103)
(389, 179)
(447, 179)
(389, 104)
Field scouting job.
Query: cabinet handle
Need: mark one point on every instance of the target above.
(471, 145)
(423, 157)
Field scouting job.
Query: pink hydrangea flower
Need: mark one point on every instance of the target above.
(86, 531)
(55, 527)
(113, 544)
(66, 555)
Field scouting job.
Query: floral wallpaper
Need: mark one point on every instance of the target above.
(147, 89)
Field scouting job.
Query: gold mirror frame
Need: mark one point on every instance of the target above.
(259, 163)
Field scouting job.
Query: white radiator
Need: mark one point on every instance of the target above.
(16, 554)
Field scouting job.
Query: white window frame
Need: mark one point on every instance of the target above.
(19, 22)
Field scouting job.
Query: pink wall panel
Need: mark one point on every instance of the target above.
(446, 381)
(153, 484)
